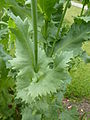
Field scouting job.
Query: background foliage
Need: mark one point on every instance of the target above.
(34, 93)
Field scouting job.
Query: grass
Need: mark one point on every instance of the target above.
(80, 85)
(71, 14)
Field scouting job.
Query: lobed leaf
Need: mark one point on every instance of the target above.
(79, 33)
(31, 85)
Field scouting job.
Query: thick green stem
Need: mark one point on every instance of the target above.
(82, 9)
(34, 18)
(62, 18)
(45, 29)
(60, 25)
(45, 34)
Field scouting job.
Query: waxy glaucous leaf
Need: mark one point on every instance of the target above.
(30, 84)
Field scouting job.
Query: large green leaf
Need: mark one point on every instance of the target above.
(30, 84)
(79, 33)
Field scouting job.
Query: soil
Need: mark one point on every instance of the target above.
(83, 107)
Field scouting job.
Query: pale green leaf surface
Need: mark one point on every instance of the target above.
(24, 50)
(61, 59)
(78, 34)
(30, 84)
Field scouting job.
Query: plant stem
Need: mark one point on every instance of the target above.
(45, 34)
(82, 9)
(62, 18)
(34, 18)
(45, 29)
(60, 25)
